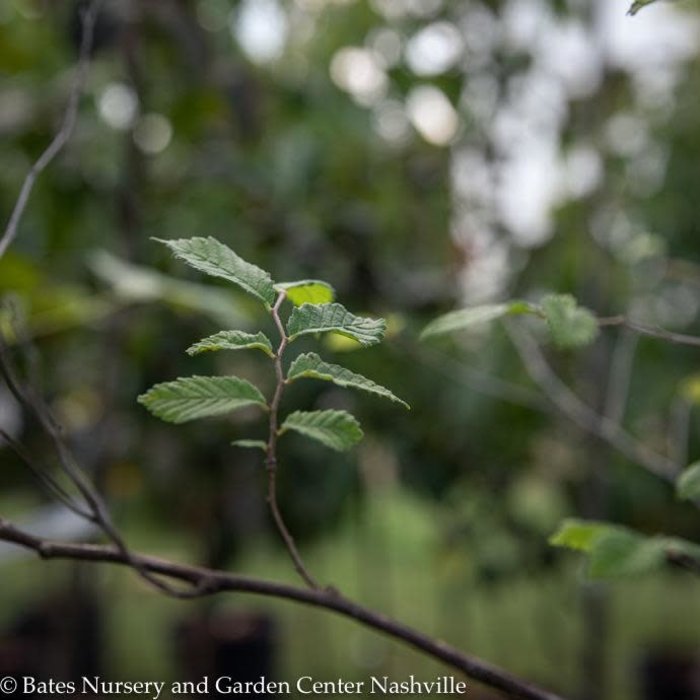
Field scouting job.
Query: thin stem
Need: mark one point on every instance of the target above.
(580, 413)
(271, 454)
(651, 331)
(209, 582)
(63, 134)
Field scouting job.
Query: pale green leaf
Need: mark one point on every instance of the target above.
(690, 388)
(463, 318)
(251, 444)
(570, 325)
(214, 258)
(188, 398)
(334, 318)
(613, 551)
(307, 292)
(578, 534)
(233, 340)
(688, 484)
(335, 429)
(637, 5)
(310, 365)
(133, 283)
(619, 552)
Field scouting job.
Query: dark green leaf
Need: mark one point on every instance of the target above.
(233, 340)
(310, 365)
(335, 429)
(214, 258)
(334, 318)
(198, 397)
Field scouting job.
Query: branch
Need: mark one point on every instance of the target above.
(271, 454)
(65, 131)
(210, 582)
(94, 509)
(581, 413)
(651, 331)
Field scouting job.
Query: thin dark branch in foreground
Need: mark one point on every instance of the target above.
(94, 508)
(651, 331)
(65, 131)
(580, 413)
(271, 454)
(209, 582)
(44, 477)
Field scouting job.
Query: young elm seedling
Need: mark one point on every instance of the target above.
(314, 311)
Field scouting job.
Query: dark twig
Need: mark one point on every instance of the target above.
(94, 509)
(209, 582)
(271, 454)
(65, 131)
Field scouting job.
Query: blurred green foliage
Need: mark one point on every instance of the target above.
(320, 162)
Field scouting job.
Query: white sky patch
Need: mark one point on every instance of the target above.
(118, 106)
(660, 35)
(387, 45)
(486, 273)
(394, 9)
(434, 49)
(582, 171)
(260, 27)
(391, 122)
(523, 21)
(626, 134)
(568, 52)
(529, 187)
(358, 71)
(153, 133)
(432, 114)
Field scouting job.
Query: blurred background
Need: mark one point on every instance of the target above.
(420, 155)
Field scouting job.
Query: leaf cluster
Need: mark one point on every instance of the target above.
(314, 312)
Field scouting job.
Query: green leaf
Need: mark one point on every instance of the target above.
(618, 552)
(334, 318)
(307, 292)
(233, 340)
(133, 283)
(335, 429)
(310, 365)
(637, 5)
(690, 388)
(463, 318)
(198, 397)
(578, 534)
(252, 444)
(214, 258)
(570, 325)
(614, 551)
(688, 484)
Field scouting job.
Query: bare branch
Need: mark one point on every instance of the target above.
(620, 375)
(209, 582)
(94, 509)
(65, 131)
(651, 331)
(581, 413)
